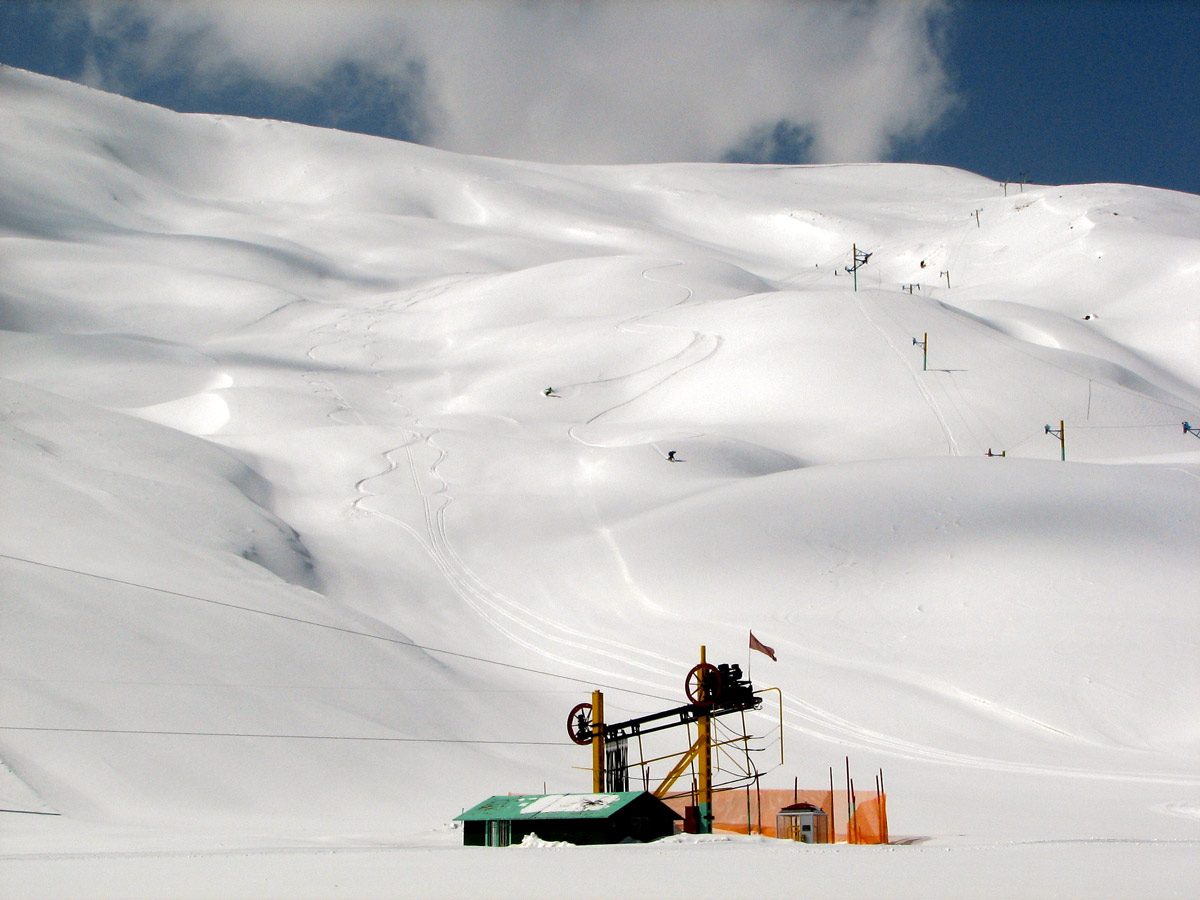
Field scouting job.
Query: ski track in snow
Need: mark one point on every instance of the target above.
(931, 381)
(1183, 810)
(951, 443)
(824, 725)
(516, 622)
(701, 348)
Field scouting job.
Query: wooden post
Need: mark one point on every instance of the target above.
(1061, 434)
(854, 265)
(758, 797)
(832, 823)
(924, 342)
(849, 806)
(879, 809)
(854, 811)
(887, 838)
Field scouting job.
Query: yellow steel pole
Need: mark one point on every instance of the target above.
(678, 769)
(704, 739)
(597, 742)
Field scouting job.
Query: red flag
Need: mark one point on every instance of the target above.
(756, 644)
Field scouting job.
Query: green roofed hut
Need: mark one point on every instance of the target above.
(576, 818)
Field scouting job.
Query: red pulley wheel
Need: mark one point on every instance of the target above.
(703, 684)
(579, 724)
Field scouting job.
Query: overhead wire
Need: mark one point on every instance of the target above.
(293, 737)
(236, 685)
(1168, 425)
(338, 628)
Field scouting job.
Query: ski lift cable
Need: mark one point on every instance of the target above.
(337, 628)
(1040, 432)
(1167, 425)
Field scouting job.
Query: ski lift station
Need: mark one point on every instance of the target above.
(612, 813)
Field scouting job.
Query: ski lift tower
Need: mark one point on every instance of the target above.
(712, 691)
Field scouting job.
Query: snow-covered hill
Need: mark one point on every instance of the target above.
(274, 412)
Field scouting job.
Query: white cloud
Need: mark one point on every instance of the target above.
(590, 81)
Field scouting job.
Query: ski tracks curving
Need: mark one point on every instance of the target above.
(702, 347)
(519, 623)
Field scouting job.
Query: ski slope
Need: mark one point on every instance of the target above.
(299, 559)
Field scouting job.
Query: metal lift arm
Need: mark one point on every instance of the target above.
(683, 715)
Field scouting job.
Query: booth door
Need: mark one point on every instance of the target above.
(499, 834)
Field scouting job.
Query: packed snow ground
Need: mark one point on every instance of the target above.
(274, 412)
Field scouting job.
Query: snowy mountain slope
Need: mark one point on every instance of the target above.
(295, 379)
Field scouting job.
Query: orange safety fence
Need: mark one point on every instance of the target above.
(737, 811)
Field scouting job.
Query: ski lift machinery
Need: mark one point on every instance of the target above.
(712, 692)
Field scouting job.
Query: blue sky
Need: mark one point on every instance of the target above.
(1066, 91)
(1075, 92)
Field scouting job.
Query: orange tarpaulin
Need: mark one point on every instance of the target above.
(732, 813)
